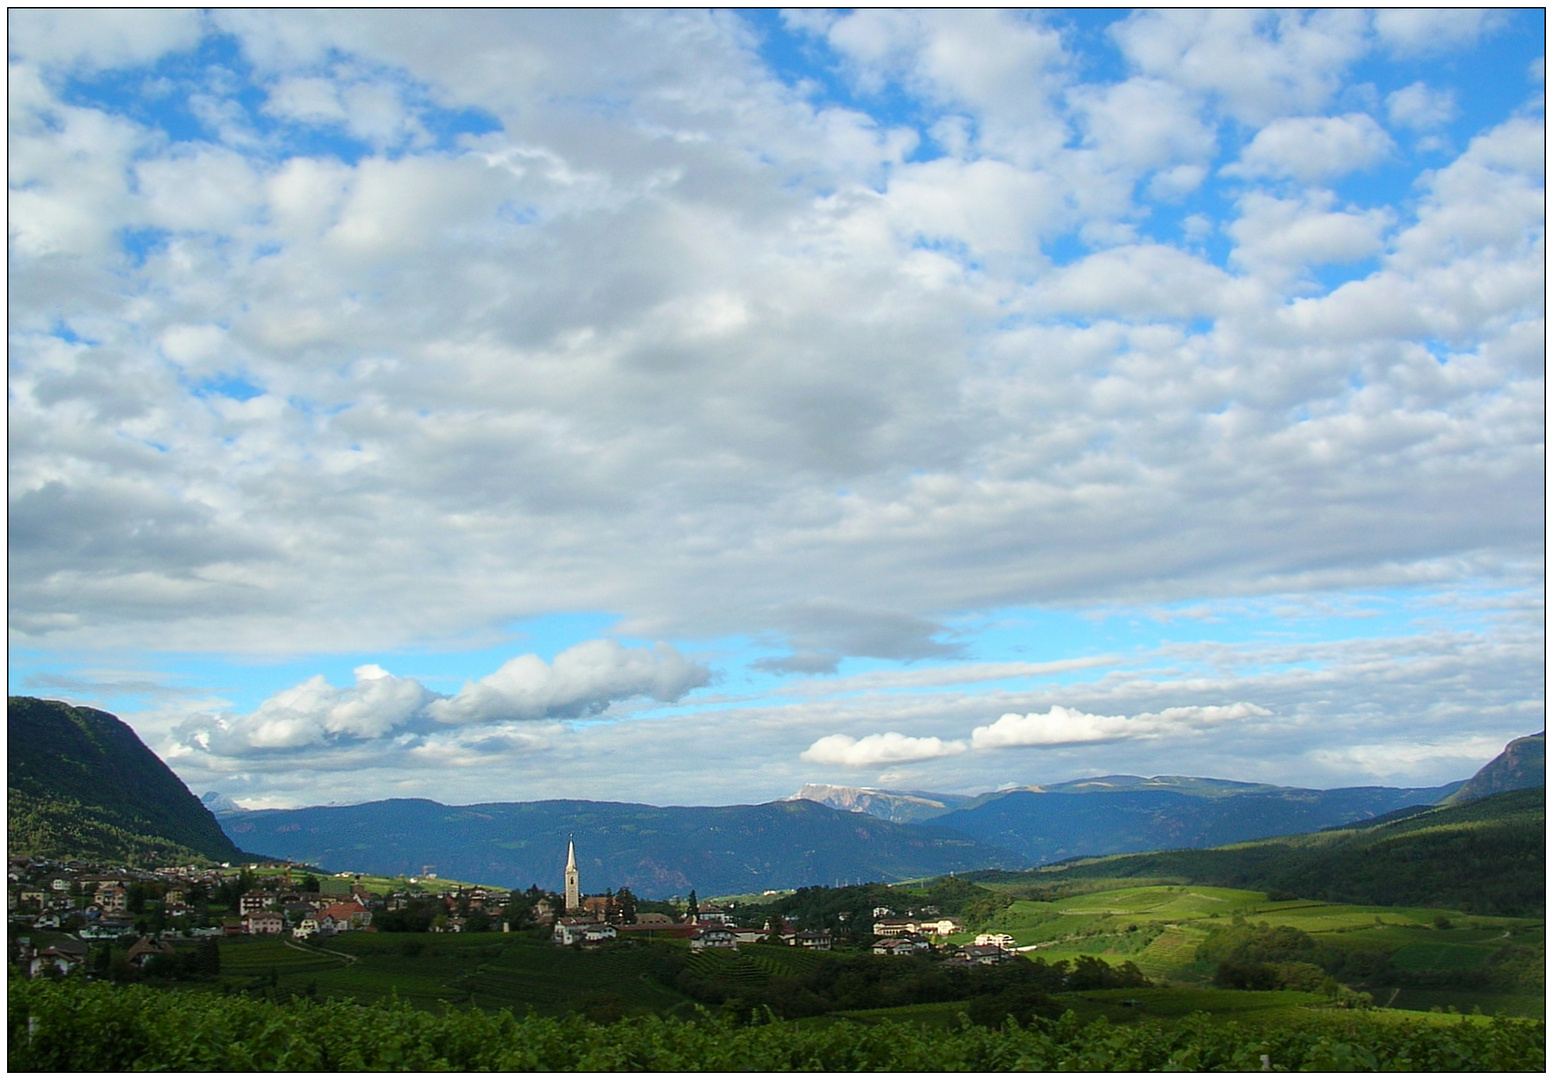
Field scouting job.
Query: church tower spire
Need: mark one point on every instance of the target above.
(573, 893)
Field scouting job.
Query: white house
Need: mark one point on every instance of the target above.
(713, 937)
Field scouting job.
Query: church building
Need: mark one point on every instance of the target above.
(573, 892)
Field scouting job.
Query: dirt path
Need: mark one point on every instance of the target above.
(347, 957)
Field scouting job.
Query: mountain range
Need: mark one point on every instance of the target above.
(655, 851)
(81, 784)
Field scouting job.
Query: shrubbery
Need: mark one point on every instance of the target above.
(844, 982)
(96, 1027)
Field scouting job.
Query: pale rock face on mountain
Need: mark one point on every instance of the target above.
(1523, 764)
(218, 803)
(899, 806)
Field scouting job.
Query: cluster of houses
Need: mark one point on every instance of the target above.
(67, 954)
(710, 928)
(589, 921)
(93, 902)
(93, 899)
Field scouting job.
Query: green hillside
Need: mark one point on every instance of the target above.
(81, 785)
(1485, 857)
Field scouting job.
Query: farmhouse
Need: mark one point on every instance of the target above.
(713, 937)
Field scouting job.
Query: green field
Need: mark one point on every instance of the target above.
(1160, 928)
(491, 971)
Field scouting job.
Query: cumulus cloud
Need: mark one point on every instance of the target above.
(1257, 65)
(1421, 31)
(889, 748)
(1279, 237)
(314, 713)
(583, 680)
(379, 708)
(1310, 148)
(1419, 107)
(1060, 726)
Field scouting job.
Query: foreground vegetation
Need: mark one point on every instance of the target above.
(97, 1027)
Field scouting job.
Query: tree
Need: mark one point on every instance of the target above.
(625, 905)
(311, 884)
(207, 957)
(692, 909)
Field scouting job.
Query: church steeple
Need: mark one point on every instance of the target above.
(573, 893)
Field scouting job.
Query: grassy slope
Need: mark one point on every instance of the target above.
(1159, 927)
(1485, 857)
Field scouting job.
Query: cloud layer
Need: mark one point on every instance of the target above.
(830, 336)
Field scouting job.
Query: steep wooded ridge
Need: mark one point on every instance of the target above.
(81, 785)
(1486, 856)
(1522, 764)
(653, 850)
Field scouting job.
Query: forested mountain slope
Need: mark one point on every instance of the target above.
(1486, 856)
(81, 784)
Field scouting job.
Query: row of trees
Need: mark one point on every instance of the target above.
(841, 982)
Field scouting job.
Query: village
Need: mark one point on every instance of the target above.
(592, 920)
(72, 904)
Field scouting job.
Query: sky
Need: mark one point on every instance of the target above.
(681, 407)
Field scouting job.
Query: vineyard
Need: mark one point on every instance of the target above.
(96, 1027)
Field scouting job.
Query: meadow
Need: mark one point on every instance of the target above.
(1161, 928)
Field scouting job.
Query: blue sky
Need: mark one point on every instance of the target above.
(684, 406)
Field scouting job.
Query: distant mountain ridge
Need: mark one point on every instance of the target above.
(81, 785)
(1061, 823)
(1108, 815)
(897, 806)
(655, 851)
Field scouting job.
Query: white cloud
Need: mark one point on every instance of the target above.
(1421, 31)
(313, 713)
(1256, 65)
(888, 748)
(1419, 107)
(583, 680)
(100, 37)
(990, 206)
(1060, 726)
(1281, 237)
(1405, 757)
(1311, 148)
(1145, 281)
(1146, 124)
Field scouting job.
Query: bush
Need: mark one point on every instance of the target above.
(78, 1026)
